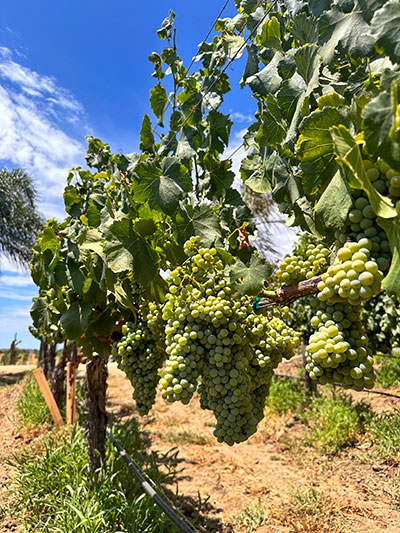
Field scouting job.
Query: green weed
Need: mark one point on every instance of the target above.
(388, 374)
(285, 395)
(56, 494)
(31, 406)
(252, 517)
(384, 432)
(335, 421)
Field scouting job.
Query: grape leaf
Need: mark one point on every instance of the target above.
(385, 27)
(146, 136)
(378, 120)
(348, 154)
(161, 186)
(74, 320)
(200, 220)
(125, 249)
(316, 150)
(392, 229)
(158, 102)
(346, 31)
(333, 206)
(250, 279)
(271, 34)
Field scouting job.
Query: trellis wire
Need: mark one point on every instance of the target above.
(389, 394)
(182, 523)
(253, 31)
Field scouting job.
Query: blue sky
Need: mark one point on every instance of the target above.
(73, 68)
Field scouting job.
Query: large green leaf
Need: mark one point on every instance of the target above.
(255, 174)
(146, 136)
(333, 206)
(40, 313)
(348, 153)
(158, 102)
(346, 31)
(250, 279)
(75, 319)
(392, 228)
(234, 45)
(379, 118)
(161, 186)
(74, 276)
(125, 249)
(316, 150)
(267, 80)
(220, 127)
(385, 27)
(270, 36)
(199, 220)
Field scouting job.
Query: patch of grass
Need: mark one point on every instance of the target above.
(285, 395)
(388, 374)
(309, 511)
(252, 517)
(187, 436)
(335, 421)
(31, 406)
(384, 433)
(56, 494)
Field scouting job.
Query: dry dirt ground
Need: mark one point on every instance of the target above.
(266, 484)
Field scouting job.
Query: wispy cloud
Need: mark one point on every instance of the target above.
(35, 115)
(16, 281)
(237, 116)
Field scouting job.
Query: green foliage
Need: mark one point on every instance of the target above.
(335, 421)
(384, 432)
(388, 374)
(286, 395)
(55, 493)
(31, 407)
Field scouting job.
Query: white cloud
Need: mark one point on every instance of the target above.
(237, 116)
(35, 114)
(16, 281)
(14, 295)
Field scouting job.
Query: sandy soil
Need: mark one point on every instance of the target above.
(248, 487)
(354, 492)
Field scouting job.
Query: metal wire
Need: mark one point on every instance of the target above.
(208, 34)
(238, 51)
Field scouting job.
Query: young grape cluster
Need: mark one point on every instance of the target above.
(354, 275)
(338, 351)
(140, 358)
(304, 264)
(362, 221)
(213, 337)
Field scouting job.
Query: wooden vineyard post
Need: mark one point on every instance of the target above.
(71, 388)
(48, 396)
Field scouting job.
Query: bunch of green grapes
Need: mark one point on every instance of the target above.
(362, 221)
(304, 264)
(338, 351)
(213, 338)
(354, 276)
(140, 358)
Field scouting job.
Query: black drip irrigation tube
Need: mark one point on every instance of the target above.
(183, 526)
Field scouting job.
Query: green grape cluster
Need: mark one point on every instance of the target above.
(362, 221)
(139, 357)
(354, 276)
(213, 337)
(304, 264)
(338, 351)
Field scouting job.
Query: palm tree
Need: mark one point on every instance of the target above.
(20, 220)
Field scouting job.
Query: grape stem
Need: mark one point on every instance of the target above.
(288, 293)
